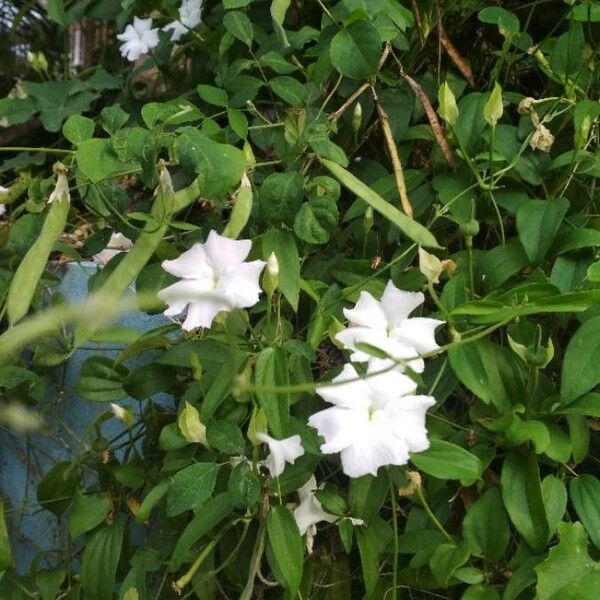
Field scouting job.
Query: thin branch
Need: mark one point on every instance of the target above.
(384, 121)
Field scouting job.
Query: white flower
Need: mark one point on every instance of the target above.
(385, 324)
(281, 452)
(117, 243)
(214, 278)
(376, 420)
(310, 512)
(189, 16)
(138, 39)
(3, 190)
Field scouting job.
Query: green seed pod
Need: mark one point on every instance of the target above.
(25, 281)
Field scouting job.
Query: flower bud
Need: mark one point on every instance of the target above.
(271, 276)
(124, 414)
(493, 109)
(37, 61)
(192, 429)
(430, 265)
(357, 118)
(448, 108)
(469, 228)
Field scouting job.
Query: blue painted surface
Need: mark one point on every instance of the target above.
(24, 460)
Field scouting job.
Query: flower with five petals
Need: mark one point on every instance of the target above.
(138, 39)
(375, 421)
(190, 15)
(386, 325)
(214, 278)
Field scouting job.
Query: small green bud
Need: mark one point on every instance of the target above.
(493, 109)
(368, 220)
(357, 118)
(469, 228)
(271, 275)
(448, 108)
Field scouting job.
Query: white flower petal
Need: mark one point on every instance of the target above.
(418, 332)
(398, 304)
(191, 264)
(353, 393)
(241, 283)
(201, 314)
(178, 30)
(386, 385)
(281, 451)
(339, 426)
(138, 38)
(224, 254)
(367, 312)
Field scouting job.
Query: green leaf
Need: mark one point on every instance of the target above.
(411, 228)
(507, 22)
(278, 10)
(585, 496)
(240, 26)
(244, 486)
(280, 197)
(372, 542)
(554, 495)
(569, 573)
(78, 129)
(566, 57)
(446, 559)
(57, 488)
(580, 372)
(480, 592)
(96, 160)
(355, 50)
(220, 166)
(522, 496)
(238, 122)
(50, 582)
(112, 118)
(6, 557)
(225, 436)
(272, 370)
(100, 560)
(191, 487)
(148, 380)
(316, 220)
(285, 550)
(445, 460)
(87, 512)
(282, 243)
(588, 405)
(101, 380)
(290, 90)
(486, 526)
(56, 11)
(490, 371)
(587, 12)
(537, 223)
(213, 95)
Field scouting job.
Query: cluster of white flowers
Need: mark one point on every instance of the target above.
(140, 37)
(376, 418)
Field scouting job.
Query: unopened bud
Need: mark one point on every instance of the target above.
(125, 415)
(357, 118)
(470, 228)
(430, 265)
(271, 276)
(37, 61)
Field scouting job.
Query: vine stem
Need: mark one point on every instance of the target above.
(33, 149)
(257, 553)
(395, 533)
(431, 515)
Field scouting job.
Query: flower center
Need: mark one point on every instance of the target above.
(374, 413)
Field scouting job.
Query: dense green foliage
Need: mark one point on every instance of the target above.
(342, 136)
